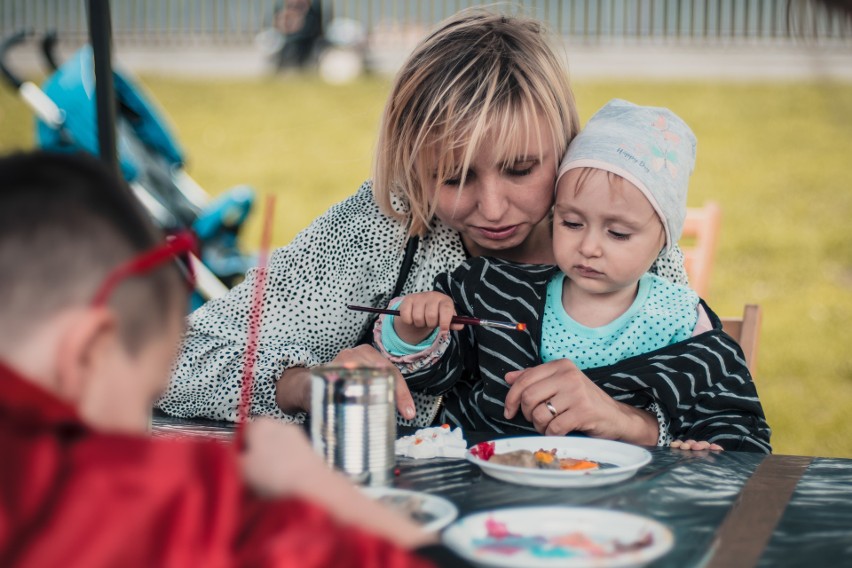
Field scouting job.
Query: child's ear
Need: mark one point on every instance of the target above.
(84, 350)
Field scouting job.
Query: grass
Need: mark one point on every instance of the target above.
(775, 155)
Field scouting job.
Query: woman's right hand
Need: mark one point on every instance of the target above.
(293, 389)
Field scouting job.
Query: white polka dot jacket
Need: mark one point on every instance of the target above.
(351, 254)
(701, 384)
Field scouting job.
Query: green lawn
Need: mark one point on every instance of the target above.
(773, 154)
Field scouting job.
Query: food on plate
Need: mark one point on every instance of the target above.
(435, 442)
(541, 459)
(411, 505)
(518, 458)
(502, 541)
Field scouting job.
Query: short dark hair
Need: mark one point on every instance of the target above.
(66, 220)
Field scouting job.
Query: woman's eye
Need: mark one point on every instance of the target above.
(519, 172)
(520, 168)
(456, 180)
(459, 179)
(619, 236)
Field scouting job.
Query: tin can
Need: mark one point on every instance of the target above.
(353, 421)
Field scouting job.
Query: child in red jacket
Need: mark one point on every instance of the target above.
(91, 312)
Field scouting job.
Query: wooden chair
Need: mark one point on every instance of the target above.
(746, 331)
(698, 243)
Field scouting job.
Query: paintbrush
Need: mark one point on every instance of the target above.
(244, 405)
(464, 320)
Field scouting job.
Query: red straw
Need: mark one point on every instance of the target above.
(254, 324)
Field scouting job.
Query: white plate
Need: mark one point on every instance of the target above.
(620, 461)
(440, 511)
(567, 537)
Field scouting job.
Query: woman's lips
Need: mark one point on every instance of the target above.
(497, 233)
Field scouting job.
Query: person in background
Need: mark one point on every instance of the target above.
(91, 310)
(618, 335)
(300, 23)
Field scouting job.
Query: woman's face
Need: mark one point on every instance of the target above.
(502, 207)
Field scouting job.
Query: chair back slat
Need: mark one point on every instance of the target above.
(698, 243)
(746, 331)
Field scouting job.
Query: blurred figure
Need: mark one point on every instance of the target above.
(300, 24)
(304, 37)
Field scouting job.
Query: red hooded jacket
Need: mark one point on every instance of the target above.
(71, 496)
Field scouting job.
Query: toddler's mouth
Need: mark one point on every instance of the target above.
(587, 271)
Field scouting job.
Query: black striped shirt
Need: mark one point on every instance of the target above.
(701, 384)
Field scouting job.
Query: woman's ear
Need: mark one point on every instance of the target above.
(84, 350)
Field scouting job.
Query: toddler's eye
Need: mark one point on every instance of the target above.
(572, 225)
(619, 236)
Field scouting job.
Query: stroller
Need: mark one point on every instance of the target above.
(150, 159)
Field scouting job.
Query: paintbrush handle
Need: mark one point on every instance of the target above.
(464, 320)
(373, 310)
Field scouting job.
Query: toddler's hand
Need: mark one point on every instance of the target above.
(695, 446)
(420, 313)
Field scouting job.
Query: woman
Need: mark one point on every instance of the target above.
(472, 133)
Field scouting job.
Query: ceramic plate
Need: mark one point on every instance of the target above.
(619, 461)
(432, 512)
(567, 537)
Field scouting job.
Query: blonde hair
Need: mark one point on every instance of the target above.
(480, 72)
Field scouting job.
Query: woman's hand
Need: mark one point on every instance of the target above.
(293, 389)
(559, 398)
(695, 446)
(421, 313)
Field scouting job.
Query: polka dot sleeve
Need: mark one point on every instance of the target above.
(350, 255)
(669, 265)
(663, 438)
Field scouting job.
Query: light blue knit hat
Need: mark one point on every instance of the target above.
(650, 147)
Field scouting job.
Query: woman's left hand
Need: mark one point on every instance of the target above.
(559, 398)
(695, 446)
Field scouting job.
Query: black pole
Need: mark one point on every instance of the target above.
(100, 32)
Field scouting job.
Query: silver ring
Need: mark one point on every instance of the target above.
(551, 408)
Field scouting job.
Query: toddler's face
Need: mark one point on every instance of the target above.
(606, 236)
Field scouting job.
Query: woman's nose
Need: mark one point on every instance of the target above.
(492, 200)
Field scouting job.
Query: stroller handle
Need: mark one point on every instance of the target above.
(5, 45)
(48, 49)
(33, 96)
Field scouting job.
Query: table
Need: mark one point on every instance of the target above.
(691, 493)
